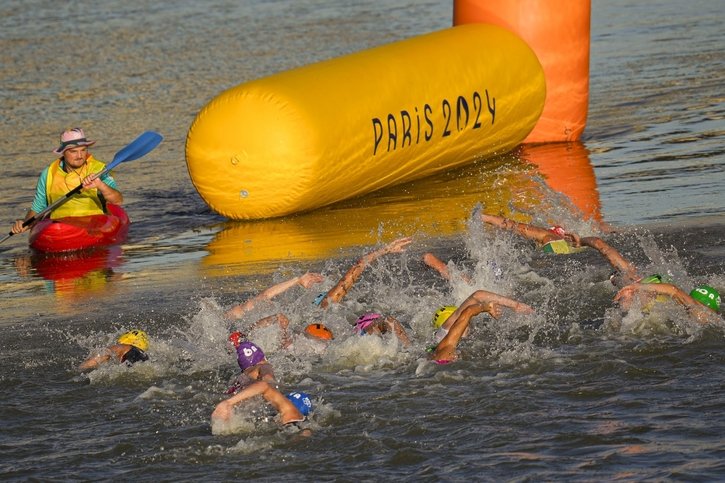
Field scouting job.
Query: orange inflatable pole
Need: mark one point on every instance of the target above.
(566, 168)
(558, 32)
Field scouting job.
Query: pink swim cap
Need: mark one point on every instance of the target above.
(558, 230)
(365, 321)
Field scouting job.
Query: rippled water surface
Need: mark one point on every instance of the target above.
(578, 391)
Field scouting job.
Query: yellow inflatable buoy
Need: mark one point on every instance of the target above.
(329, 131)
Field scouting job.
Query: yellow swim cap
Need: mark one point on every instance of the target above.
(136, 338)
(442, 315)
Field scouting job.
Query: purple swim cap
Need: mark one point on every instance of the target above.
(248, 355)
(365, 321)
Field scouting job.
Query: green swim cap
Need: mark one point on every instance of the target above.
(656, 278)
(707, 295)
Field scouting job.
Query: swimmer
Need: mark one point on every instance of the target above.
(131, 347)
(252, 362)
(373, 323)
(336, 293)
(554, 239)
(703, 302)
(446, 317)
(625, 273)
(307, 280)
(292, 408)
(445, 351)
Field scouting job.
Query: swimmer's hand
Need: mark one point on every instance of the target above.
(624, 296)
(573, 239)
(522, 308)
(492, 309)
(222, 412)
(309, 279)
(399, 245)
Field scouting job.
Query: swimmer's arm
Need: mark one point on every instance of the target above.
(702, 314)
(482, 296)
(92, 362)
(306, 281)
(531, 232)
(436, 264)
(398, 330)
(287, 410)
(224, 409)
(279, 319)
(446, 348)
(611, 254)
(353, 274)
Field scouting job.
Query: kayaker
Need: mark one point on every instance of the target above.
(130, 348)
(75, 165)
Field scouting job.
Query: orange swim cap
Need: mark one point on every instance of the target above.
(319, 331)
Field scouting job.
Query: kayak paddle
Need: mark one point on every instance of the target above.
(139, 147)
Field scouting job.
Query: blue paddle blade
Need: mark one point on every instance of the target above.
(140, 146)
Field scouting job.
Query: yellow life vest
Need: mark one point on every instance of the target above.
(59, 183)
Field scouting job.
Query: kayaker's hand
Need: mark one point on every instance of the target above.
(18, 227)
(111, 195)
(92, 182)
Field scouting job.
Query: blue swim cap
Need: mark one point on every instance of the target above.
(301, 401)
